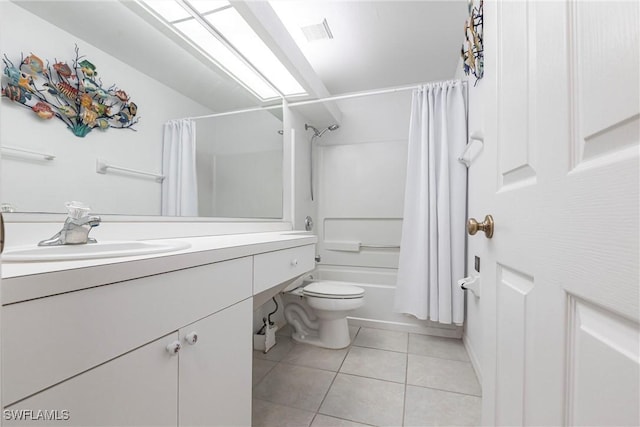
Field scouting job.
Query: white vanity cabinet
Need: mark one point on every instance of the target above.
(93, 343)
(101, 353)
(135, 389)
(275, 267)
(204, 383)
(215, 371)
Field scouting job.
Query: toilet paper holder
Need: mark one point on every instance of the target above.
(471, 283)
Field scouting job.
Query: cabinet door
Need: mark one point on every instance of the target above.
(215, 372)
(137, 388)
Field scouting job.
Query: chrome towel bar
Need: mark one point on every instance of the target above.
(102, 167)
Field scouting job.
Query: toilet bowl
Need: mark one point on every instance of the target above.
(319, 316)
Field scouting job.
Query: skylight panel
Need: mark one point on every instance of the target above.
(236, 30)
(215, 49)
(169, 10)
(216, 29)
(205, 6)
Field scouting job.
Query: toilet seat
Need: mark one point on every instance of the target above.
(332, 290)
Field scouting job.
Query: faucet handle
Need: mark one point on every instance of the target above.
(77, 210)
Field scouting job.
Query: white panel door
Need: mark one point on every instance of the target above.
(560, 176)
(215, 371)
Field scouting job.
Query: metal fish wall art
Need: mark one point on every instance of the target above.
(472, 48)
(74, 94)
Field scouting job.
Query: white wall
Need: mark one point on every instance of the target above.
(38, 186)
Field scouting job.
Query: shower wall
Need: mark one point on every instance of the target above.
(361, 171)
(300, 146)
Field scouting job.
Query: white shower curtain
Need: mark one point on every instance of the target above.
(179, 188)
(433, 230)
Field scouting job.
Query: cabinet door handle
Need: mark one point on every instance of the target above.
(294, 262)
(191, 338)
(174, 347)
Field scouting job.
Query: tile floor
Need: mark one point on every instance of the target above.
(385, 378)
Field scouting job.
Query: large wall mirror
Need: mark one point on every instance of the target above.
(239, 156)
(239, 165)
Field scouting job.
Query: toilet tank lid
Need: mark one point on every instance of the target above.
(332, 288)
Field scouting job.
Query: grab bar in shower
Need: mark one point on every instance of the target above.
(351, 246)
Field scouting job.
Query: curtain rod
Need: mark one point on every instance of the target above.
(364, 93)
(228, 113)
(354, 95)
(317, 101)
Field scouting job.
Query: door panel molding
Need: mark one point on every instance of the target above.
(604, 116)
(513, 335)
(516, 115)
(603, 348)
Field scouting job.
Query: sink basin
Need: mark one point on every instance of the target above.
(108, 249)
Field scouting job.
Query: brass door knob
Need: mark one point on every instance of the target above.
(473, 226)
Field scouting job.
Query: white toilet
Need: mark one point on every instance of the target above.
(319, 317)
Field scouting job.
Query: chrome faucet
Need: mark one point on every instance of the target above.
(76, 228)
(74, 232)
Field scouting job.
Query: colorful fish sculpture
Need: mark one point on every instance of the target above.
(13, 73)
(67, 111)
(63, 70)
(35, 64)
(43, 110)
(16, 93)
(87, 68)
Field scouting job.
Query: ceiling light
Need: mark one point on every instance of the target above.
(236, 30)
(229, 61)
(217, 30)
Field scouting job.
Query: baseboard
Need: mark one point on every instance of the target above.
(447, 331)
(474, 358)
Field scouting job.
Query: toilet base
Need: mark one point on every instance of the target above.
(332, 334)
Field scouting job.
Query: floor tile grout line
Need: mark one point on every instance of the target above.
(326, 393)
(313, 418)
(447, 391)
(334, 377)
(440, 357)
(264, 376)
(378, 348)
(312, 367)
(371, 378)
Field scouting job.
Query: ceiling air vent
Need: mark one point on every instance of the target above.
(317, 32)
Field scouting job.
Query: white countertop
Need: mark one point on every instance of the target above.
(27, 280)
